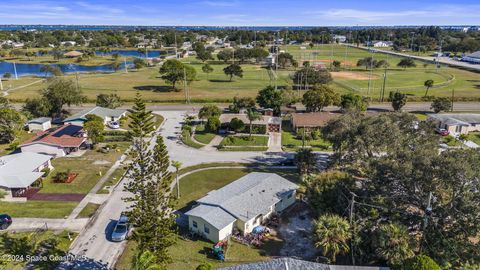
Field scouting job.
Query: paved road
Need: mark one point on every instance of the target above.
(93, 242)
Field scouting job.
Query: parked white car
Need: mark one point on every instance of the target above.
(113, 125)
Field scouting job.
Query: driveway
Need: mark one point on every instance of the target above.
(275, 142)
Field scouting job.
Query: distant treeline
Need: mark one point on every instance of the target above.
(419, 39)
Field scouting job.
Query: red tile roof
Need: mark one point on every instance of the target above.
(65, 136)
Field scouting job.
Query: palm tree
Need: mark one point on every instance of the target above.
(146, 261)
(427, 84)
(252, 116)
(331, 234)
(393, 243)
(177, 165)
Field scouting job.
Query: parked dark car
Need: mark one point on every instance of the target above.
(5, 221)
(442, 131)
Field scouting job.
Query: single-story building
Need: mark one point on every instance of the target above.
(310, 121)
(19, 171)
(472, 58)
(72, 54)
(39, 124)
(287, 263)
(105, 113)
(242, 204)
(456, 123)
(271, 123)
(57, 143)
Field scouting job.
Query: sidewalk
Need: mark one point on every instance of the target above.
(29, 224)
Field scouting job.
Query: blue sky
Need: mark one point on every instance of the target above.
(241, 12)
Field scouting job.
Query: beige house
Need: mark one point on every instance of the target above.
(457, 123)
(242, 204)
(310, 121)
(272, 123)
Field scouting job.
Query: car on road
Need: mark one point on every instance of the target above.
(113, 125)
(442, 131)
(121, 230)
(5, 221)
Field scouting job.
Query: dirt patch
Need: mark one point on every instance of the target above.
(353, 76)
(297, 235)
(101, 162)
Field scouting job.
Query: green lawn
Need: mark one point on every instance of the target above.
(187, 140)
(89, 210)
(245, 141)
(474, 137)
(88, 168)
(38, 209)
(291, 143)
(451, 141)
(203, 136)
(64, 240)
(198, 184)
(6, 149)
(113, 179)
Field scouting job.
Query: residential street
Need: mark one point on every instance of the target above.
(94, 243)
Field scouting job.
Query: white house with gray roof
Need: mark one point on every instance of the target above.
(105, 113)
(39, 124)
(456, 123)
(19, 171)
(242, 204)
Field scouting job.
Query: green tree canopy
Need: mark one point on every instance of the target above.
(94, 127)
(311, 76)
(331, 235)
(406, 63)
(111, 101)
(269, 98)
(208, 111)
(11, 123)
(441, 104)
(233, 70)
(398, 100)
(319, 97)
(173, 71)
(351, 101)
(61, 92)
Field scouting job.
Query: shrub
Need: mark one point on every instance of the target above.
(46, 172)
(256, 129)
(421, 262)
(61, 177)
(213, 123)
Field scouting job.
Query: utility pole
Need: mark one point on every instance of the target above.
(125, 63)
(382, 95)
(1, 84)
(175, 37)
(185, 85)
(351, 215)
(76, 78)
(428, 213)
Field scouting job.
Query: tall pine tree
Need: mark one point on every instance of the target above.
(151, 204)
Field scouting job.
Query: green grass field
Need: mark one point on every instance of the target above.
(244, 141)
(203, 136)
(216, 87)
(38, 209)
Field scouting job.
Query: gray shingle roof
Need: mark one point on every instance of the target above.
(474, 55)
(294, 264)
(457, 118)
(39, 120)
(216, 216)
(99, 111)
(17, 170)
(250, 195)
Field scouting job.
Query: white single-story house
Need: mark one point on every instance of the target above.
(57, 143)
(472, 58)
(39, 124)
(456, 123)
(19, 171)
(242, 204)
(105, 113)
(272, 123)
(380, 43)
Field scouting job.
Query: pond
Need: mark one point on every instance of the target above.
(131, 53)
(24, 69)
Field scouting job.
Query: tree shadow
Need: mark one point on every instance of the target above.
(219, 81)
(155, 88)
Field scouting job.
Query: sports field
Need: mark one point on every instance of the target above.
(216, 87)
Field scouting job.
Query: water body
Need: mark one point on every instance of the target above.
(132, 53)
(24, 69)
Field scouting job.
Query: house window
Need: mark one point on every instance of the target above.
(194, 224)
(206, 229)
